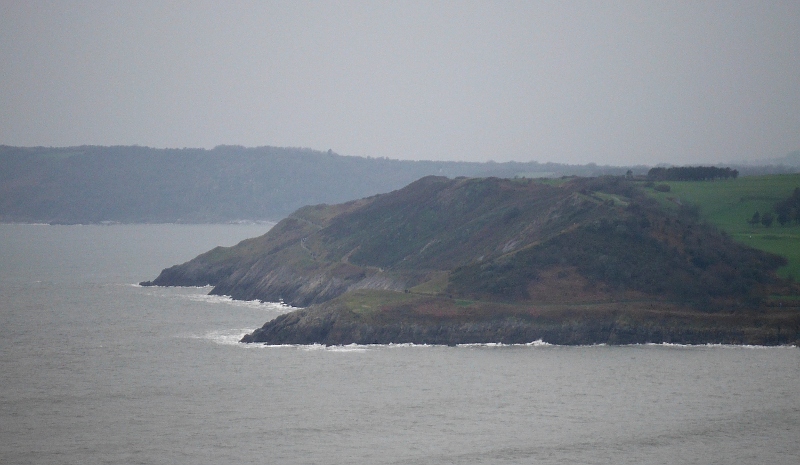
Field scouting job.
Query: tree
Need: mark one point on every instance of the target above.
(766, 219)
(788, 209)
(691, 173)
(755, 219)
(784, 213)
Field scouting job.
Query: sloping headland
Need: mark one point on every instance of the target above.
(465, 260)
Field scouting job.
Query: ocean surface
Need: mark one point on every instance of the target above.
(97, 370)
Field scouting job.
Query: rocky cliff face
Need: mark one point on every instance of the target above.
(280, 265)
(611, 323)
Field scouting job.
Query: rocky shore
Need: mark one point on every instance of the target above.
(612, 323)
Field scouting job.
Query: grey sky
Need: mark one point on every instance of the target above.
(605, 82)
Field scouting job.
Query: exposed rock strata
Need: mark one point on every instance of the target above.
(334, 325)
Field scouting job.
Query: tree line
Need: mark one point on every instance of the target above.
(691, 173)
(786, 211)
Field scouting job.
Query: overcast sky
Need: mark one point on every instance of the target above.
(578, 82)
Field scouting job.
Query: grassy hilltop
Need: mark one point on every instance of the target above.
(729, 204)
(580, 260)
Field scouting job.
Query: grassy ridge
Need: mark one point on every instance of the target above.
(729, 204)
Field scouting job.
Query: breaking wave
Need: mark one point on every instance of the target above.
(227, 337)
(722, 346)
(225, 299)
(536, 343)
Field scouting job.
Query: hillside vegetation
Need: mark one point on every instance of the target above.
(501, 260)
(729, 204)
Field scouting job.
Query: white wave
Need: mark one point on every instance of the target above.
(407, 344)
(317, 347)
(536, 343)
(205, 297)
(393, 345)
(346, 348)
(225, 299)
(161, 287)
(709, 345)
(228, 337)
(220, 299)
(223, 338)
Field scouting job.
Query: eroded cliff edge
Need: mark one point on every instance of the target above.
(425, 320)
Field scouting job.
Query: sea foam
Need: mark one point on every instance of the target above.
(228, 337)
(713, 346)
(536, 343)
(228, 300)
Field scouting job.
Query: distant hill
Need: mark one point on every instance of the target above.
(791, 161)
(92, 184)
(131, 184)
(582, 260)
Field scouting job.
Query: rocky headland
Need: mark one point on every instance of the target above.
(472, 260)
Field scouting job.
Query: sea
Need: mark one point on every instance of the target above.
(95, 369)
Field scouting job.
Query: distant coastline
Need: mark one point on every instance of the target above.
(133, 184)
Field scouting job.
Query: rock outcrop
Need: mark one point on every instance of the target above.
(611, 323)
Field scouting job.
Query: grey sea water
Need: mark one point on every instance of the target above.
(95, 370)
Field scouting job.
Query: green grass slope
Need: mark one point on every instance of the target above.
(729, 204)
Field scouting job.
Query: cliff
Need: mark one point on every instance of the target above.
(582, 260)
(424, 320)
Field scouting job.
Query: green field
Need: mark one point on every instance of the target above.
(730, 203)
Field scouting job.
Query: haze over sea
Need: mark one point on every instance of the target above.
(95, 369)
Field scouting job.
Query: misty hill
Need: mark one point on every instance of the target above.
(500, 260)
(93, 184)
(790, 161)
